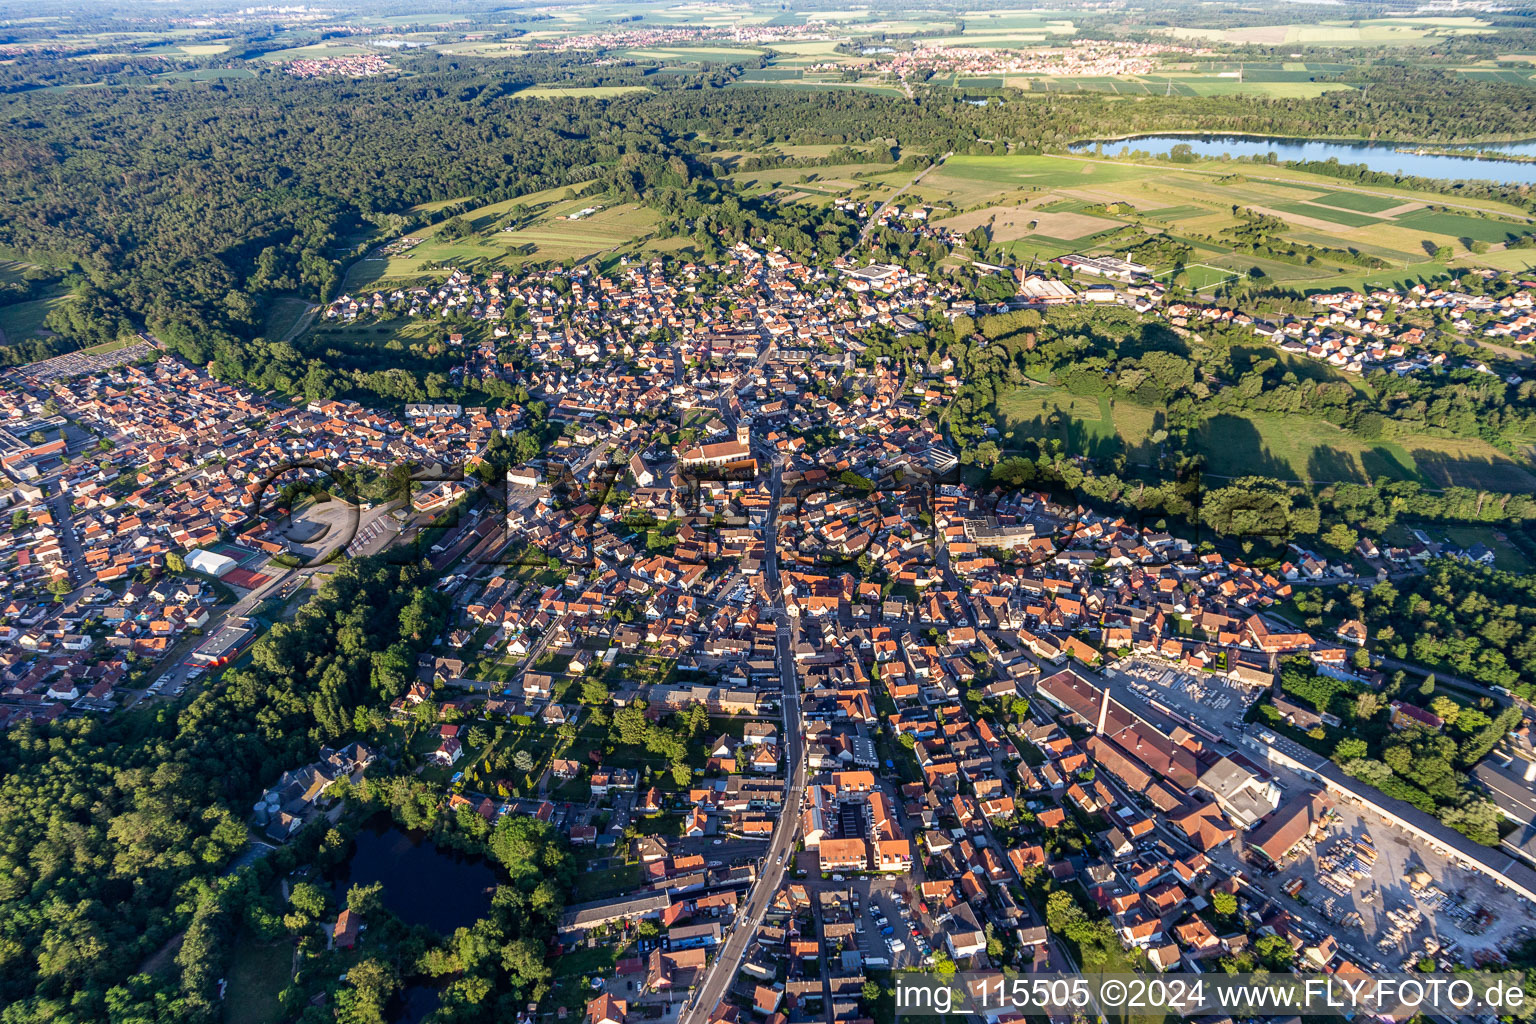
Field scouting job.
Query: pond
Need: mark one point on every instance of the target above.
(423, 884)
(1378, 156)
(413, 1003)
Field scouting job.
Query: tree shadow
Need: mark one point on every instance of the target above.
(1329, 465)
(1384, 462)
(1442, 470)
(1233, 447)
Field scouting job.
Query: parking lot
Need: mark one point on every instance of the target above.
(878, 902)
(1204, 697)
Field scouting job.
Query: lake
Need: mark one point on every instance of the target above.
(441, 889)
(1378, 156)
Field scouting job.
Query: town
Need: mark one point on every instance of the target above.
(932, 722)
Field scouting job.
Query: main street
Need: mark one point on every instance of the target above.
(719, 975)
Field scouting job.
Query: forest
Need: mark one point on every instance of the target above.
(185, 210)
(1475, 622)
(115, 832)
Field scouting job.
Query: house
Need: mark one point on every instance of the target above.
(1406, 716)
(607, 1010)
(1280, 833)
(345, 931)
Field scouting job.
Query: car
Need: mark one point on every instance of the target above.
(916, 932)
(716, 842)
(897, 946)
(887, 930)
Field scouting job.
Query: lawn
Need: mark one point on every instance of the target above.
(605, 883)
(1506, 555)
(572, 969)
(257, 973)
(1285, 447)
(22, 320)
(282, 313)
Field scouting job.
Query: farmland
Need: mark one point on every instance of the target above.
(1044, 206)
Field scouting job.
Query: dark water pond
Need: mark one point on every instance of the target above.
(423, 884)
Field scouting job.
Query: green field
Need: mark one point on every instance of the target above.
(257, 974)
(1458, 226)
(22, 320)
(594, 92)
(1345, 217)
(1285, 447)
(1357, 201)
(547, 232)
(281, 315)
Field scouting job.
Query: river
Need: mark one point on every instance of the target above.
(1378, 156)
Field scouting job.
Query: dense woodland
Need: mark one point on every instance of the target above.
(183, 208)
(114, 832)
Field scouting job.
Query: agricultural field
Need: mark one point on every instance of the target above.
(1414, 31)
(1045, 206)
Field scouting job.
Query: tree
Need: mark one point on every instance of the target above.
(1341, 538)
(1274, 952)
(366, 899)
(522, 761)
(370, 984)
(871, 993)
(1427, 687)
(175, 562)
(1350, 748)
(1224, 903)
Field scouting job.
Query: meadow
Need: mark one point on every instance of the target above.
(543, 234)
(1302, 449)
(22, 320)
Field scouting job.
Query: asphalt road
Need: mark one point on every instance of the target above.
(717, 979)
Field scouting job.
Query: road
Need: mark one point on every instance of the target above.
(64, 522)
(719, 975)
(874, 218)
